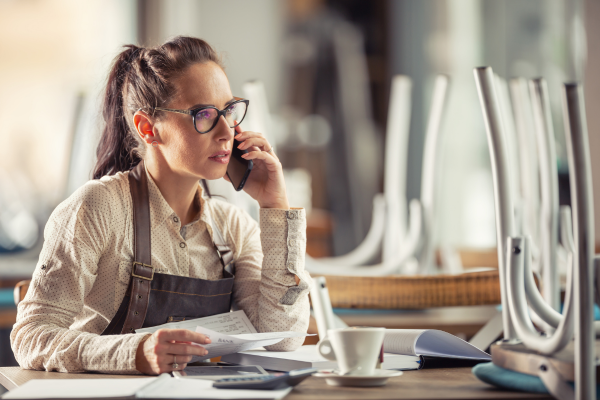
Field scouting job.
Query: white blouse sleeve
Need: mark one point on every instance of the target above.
(75, 238)
(267, 261)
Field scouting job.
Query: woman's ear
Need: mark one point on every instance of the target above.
(144, 126)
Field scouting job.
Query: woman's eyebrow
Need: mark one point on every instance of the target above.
(211, 105)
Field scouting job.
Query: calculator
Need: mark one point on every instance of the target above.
(266, 382)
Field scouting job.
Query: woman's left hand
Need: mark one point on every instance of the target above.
(265, 183)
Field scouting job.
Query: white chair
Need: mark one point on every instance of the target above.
(529, 166)
(532, 167)
(577, 318)
(517, 284)
(401, 244)
(549, 190)
(430, 174)
(388, 223)
(503, 198)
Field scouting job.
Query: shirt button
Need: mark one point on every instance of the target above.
(292, 242)
(175, 219)
(182, 245)
(291, 215)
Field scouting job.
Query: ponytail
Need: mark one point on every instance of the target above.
(141, 79)
(114, 152)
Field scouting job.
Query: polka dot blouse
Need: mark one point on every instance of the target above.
(85, 266)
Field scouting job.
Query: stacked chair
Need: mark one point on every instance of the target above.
(394, 267)
(538, 340)
(406, 276)
(404, 245)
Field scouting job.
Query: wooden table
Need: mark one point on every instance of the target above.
(447, 383)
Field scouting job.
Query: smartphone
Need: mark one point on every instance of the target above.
(238, 168)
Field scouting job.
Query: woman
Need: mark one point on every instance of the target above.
(143, 241)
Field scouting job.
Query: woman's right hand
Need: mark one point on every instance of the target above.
(157, 353)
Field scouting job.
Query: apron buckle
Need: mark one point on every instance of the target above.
(142, 271)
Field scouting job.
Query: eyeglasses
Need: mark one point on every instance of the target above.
(206, 118)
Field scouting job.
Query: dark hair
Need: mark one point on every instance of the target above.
(141, 78)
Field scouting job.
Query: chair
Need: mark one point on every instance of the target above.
(21, 290)
(514, 264)
(402, 246)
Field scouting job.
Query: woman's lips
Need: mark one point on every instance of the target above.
(221, 157)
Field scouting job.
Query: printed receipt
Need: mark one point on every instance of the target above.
(230, 333)
(232, 323)
(222, 344)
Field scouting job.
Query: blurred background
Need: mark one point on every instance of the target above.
(326, 68)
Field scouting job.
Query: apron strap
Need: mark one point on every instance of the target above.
(142, 271)
(223, 249)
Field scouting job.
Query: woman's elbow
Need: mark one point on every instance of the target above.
(18, 344)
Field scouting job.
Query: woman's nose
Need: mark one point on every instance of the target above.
(222, 130)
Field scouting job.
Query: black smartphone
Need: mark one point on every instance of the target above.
(238, 168)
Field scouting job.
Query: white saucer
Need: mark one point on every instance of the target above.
(379, 378)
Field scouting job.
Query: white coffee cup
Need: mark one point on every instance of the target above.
(355, 349)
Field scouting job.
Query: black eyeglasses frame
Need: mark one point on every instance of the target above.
(220, 113)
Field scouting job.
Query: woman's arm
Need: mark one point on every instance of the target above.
(79, 233)
(265, 287)
(75, 238)
(273, 291)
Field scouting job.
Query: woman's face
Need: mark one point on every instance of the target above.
(186, 151)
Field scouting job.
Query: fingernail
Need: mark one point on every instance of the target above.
(205, 352)
(207, 340)
(244, 155)
(240, 146)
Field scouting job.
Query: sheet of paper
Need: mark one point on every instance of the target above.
(223, 344)
(78, 388)
(232, 323)
(203, 389)
(307, 353)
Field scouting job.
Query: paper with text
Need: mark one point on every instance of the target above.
(222, 344)
(232, 323)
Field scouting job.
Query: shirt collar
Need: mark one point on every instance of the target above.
(160, 210)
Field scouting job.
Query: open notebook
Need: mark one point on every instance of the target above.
(436, 348)
(404, 349)
(308, 357)
(163, 387)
